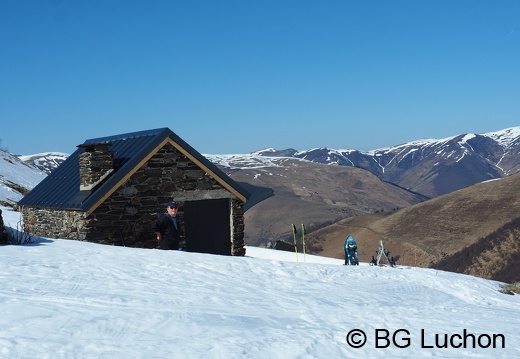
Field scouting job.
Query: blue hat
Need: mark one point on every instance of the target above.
(172, 204)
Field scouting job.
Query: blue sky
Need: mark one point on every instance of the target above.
(239, 76)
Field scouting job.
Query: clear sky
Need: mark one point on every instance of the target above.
(239, 76)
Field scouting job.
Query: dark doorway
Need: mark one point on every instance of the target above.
(207, 226)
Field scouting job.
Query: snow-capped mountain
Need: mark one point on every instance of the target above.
(45, 162)
(16, 178)
(431, 167)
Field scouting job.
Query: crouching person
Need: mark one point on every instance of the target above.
(351, 251)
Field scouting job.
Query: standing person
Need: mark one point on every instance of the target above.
(166, 228)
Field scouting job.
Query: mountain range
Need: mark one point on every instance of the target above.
(431, 167)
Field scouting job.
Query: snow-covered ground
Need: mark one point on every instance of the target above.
(67, 299)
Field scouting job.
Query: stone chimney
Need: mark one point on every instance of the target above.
(95, 164)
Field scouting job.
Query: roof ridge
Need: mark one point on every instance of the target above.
(152, 132)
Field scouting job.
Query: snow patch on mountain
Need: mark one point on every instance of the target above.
(16, 177)
(505, 137)
(46, 161)
(250, 161)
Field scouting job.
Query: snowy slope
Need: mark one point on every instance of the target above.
(15, 171)
(505, 137)
(46, 161)
(241, 161)
(68, 299)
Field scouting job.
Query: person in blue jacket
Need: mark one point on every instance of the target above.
(351, 251)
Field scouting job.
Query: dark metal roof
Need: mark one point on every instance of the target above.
(61, 188)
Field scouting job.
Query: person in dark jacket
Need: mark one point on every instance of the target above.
(166, 228)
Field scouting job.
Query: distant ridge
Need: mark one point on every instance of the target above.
(431, 167)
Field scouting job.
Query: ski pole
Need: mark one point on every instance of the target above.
(294, 238)
(303, 242)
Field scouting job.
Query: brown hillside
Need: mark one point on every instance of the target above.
(495, 256)
(425, 233)
(314, 194)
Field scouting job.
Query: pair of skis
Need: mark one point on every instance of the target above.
(296, 244)
(382, 252)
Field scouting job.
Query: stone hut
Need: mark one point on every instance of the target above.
(111, 189)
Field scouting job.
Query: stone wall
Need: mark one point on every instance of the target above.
(237, 228)
(53, 223)
(125, 217)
